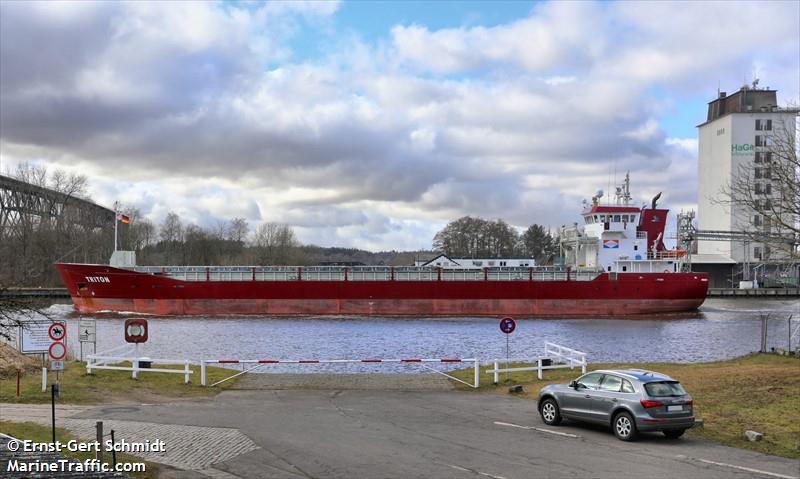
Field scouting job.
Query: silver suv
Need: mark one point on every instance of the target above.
(628, 400)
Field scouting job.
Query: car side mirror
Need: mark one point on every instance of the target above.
(573, 384)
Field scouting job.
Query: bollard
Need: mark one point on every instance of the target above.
(203, 372)
(44, 379)
(135, 368)
(477, 374)
(186, 372)
(496, 374)
(539, 369)
(99, 453)
(19, 373)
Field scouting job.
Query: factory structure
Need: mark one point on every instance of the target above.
(737, 145)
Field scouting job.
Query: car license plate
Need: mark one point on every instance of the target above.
(674, 408)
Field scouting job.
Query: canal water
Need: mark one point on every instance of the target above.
(722, 329)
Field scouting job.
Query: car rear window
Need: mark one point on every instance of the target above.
(664, 388)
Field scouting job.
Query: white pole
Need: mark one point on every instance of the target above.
(44, 379)
(539, 367)
(203, 372)
(135, 364)
(496, 374)
(477, 374)
(186, 372)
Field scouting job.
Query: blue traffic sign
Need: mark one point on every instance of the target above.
(507, 325)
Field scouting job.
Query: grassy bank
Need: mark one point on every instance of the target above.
(104, 386)
(38, 433)
(758, 392)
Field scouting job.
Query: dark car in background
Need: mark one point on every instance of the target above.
(628, 400)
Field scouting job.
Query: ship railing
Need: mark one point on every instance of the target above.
(367, 273)
(556, 357)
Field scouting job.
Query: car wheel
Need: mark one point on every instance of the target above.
(674, 433)
(551, 415)
(624, 427)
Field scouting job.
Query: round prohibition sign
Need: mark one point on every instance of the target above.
(507, 325)
(57, 351)
(57, 331)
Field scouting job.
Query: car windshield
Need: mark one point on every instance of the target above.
(665, 388)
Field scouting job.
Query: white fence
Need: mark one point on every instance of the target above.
(560, 357)
(129, 353)
(265, 362)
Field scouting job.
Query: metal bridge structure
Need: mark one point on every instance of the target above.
(688, 234)
(22, 203)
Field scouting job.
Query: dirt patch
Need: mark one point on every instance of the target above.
(382, 382)
(12, 360)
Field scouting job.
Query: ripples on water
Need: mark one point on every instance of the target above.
(724, 328)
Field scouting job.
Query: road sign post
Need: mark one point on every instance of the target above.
(507, 326)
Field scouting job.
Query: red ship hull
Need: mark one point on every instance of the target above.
(96, 288)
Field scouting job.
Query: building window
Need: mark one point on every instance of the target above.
(502, 263)
(757, 220)
(757, 173)
(759, 125)
(758, 158)
(768, 189)
(760, 141)
(636, 247)
(757, 252)
(616, 219)
(767, 124)
(767, 157)
(759, 188)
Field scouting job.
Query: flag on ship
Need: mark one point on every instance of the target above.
(123, 218)
(607, 244)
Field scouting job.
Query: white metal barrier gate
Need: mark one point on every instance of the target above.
(264, 362)
(129, 353)
(554, 352)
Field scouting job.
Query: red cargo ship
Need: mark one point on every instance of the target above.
(617, 265)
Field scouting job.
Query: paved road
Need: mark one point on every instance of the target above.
(443, 434)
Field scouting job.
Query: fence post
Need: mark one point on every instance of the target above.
(477, 373)
(203, 372)
(186, 371)
(99, 452)
(44, 379)
(539, 369)
(134, 373)
(496, 374)
(583, 365)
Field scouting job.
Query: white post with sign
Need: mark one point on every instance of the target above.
(58, 348)
(87, 333)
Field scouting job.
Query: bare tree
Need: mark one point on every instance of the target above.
(274, 243)
(767, 193)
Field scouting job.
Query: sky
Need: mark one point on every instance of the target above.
(373, 124)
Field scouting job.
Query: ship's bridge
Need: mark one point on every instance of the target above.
(599, 219)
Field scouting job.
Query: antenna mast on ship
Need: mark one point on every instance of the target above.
(623, 194)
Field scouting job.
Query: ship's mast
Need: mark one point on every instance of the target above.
(623, 194)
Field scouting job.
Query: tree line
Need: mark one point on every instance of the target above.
(472, 237)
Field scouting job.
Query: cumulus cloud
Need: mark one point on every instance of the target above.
(206, 109)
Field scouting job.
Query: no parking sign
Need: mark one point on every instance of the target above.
(508, 325)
